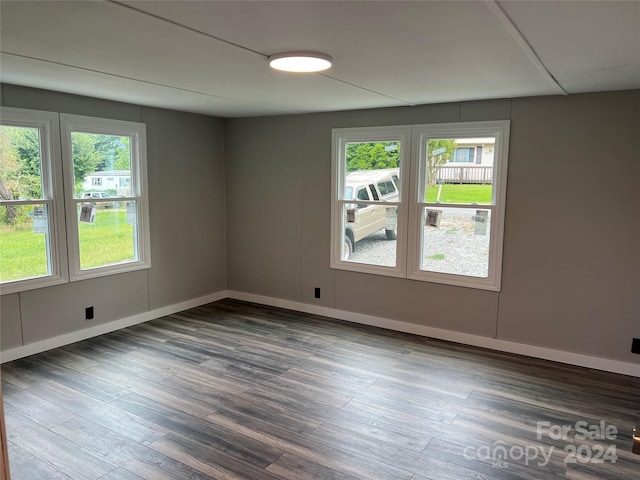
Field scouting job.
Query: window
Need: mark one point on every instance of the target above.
(457, 228)
(31, 213)
(367, 209)
(100, 228)
(433, 231)
(464, 155)
(107, 233)
(386, 188)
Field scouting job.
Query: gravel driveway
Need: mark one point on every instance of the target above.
(453, 247)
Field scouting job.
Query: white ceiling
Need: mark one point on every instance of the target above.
(210, 56)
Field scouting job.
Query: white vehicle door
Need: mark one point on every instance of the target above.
(370, 218)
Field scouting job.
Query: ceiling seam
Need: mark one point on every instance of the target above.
(406, 102)
(147, 82)
(237, 45)
(524, 44)
(186, 27)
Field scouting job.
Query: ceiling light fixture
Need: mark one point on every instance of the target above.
(300, 62)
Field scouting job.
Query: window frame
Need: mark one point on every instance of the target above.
(52, 180)
(340, 138)
(420, 136)
(411, 206)
(139, 192)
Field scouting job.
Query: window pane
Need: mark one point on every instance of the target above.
(107, 233)
(369, 234)
(101, 165)
(372, 172)
(464, 155)
(447, 181)
(23, 242)
(456, 241)
(20, 163)
(386, 187)
(363, 193)
(369, 164)
(372, 155)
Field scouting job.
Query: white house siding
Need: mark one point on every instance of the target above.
(114, 180)
(463, 172)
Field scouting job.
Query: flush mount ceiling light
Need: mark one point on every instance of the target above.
(300, 62)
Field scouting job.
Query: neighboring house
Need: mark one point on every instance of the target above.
(473, 151)
(472, 162)
(114, 180)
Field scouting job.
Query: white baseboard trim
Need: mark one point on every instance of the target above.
(68, 338)
(561, 356)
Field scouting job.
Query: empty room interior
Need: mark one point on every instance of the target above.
(320, 240)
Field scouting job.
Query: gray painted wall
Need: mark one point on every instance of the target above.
(572, 256)
(187, 219)
(264, 192)
(571, 274)
(245, 205)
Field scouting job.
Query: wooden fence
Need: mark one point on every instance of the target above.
(466, 174)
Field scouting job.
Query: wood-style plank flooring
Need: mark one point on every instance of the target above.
(233, 391)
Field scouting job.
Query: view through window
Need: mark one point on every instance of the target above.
(427, 200)
(102, 183)
(102, 225)
(24, 228)
(457, 207)
(369, 207)
(109, 195)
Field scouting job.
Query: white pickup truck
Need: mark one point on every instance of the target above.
(361, 219)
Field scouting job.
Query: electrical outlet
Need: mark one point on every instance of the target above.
(88, 313)
(635, 345)
(317, 292)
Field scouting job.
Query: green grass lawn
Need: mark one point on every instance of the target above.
(107, 241)
(22, 254)
(460, 193)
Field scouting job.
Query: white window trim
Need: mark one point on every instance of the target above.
(340, 137)
(48, 124)
(410, 209)
(420, 135)
(139, 192)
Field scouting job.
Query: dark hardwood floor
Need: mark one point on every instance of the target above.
(238, 391)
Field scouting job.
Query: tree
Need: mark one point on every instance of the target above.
(114, 152)
(26, 142)
(20, 162)
(85, 157)
(123, 154)
(9, 165)
(19, 167)
(372, 156)
(439, 152)
(5, 194)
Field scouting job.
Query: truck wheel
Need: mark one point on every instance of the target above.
(347, 250)
(391, 234)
